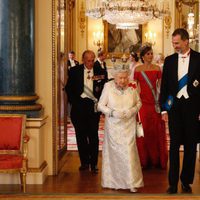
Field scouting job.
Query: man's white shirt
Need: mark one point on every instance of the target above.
(183, 66)
(88, 81)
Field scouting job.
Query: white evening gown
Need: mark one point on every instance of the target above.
(121, 167)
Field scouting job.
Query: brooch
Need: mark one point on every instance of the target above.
(195, 83)
(133, 85)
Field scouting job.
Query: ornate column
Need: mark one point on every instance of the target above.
(17, 74)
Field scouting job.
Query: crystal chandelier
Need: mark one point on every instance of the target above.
(127, 14)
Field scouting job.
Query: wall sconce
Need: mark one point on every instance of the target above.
(150, 37)
(98, 39)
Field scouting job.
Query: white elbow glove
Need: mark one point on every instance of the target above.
(129, 113)
(117, 114)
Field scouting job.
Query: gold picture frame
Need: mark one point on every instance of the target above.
(118, 42)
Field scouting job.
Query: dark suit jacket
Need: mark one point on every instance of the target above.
(169, 84)
(75, 84)
(69, 63)
(101, 70)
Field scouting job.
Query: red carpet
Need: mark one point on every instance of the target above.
(71, 139)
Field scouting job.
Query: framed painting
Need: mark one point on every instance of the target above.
(183, 8)
(120, 41)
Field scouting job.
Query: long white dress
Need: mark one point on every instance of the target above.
(121, 167)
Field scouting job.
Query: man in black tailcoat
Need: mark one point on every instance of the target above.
(179, 99)
(101, 64)
(71, 62)
(84, 88)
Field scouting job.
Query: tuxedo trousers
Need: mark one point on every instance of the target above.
(86, 124)
(184, 130)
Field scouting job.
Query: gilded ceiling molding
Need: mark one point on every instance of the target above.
(82, 18)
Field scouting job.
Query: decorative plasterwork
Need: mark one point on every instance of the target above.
(167, 23)
(82, 18)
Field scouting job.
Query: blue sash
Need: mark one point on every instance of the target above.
(157, 106)
(182, 82)
(170, 99)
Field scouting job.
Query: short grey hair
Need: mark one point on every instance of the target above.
(120, 68)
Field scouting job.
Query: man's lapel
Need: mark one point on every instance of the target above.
(175, 70)
(192, 66)
(82, 77)
(95, 72)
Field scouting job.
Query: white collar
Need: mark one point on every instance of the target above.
(86, 69)
(101, 62)
(185, 55)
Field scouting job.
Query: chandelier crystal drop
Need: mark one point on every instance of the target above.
(127, 14)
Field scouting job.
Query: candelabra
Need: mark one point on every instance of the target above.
(98, 39)
(150, 37)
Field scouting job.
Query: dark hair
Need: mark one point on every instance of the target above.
(135, 56)
(100, 52)
(182, 32)
(144, 50)
(71, 52)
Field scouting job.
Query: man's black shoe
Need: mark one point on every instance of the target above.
(83, 167)
(94, 169)
(172, 190)
(186, 188)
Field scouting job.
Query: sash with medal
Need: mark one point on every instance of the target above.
(89, 93)
(181, 83)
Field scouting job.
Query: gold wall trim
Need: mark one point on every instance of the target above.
(82, 19)
(54, 101)
(19, 98)
(20, 107)
(33, 127)
(40, 169)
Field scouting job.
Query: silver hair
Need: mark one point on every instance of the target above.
(120, 68)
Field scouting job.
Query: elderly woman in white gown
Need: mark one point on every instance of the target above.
(120, 103)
